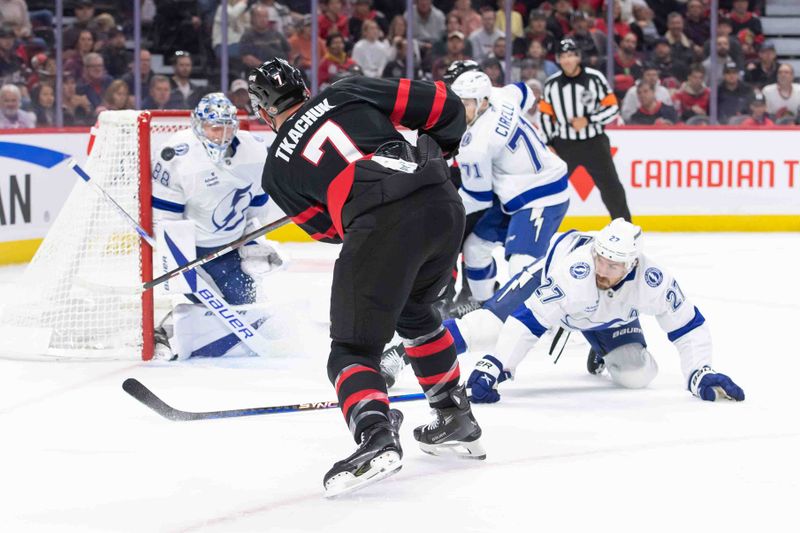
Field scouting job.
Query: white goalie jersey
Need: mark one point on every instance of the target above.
(501, 153)
(568, 296)
(219, 198)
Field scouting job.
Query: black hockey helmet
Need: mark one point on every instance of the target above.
(567, 45)
(274, 87)
(457, 68)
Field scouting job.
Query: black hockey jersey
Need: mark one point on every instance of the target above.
(311, 168)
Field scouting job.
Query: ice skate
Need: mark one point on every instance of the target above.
(595, 363)
(393, 361)
(454, 431)
(377, 457)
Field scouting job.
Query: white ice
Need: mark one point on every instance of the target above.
(566, 451)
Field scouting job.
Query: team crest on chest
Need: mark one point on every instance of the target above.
(466, 139)
(579, 270)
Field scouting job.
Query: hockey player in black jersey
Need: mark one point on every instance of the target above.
(341, 170)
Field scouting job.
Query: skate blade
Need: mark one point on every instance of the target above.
(458, 449)
(381, 467)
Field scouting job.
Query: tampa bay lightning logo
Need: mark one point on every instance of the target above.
(466, 139)
(579, 270)
(653, 277)
(181, 149)
(229, 213)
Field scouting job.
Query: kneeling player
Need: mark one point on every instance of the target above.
(599, 285)
(210, 174)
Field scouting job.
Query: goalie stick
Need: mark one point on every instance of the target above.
(137, 389)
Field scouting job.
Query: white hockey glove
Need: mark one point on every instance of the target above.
(261, 258)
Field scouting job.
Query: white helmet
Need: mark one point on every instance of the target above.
(473, 84)
(620, 242)
(215, 109)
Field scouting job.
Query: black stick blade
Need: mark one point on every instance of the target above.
(135, 388)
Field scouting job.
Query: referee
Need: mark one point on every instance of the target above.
(576, 104)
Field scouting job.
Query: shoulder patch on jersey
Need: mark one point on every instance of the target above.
(653, 277)
(579, 270)
(181, 149)
(586, 98)
(466, 139)
(167, 153)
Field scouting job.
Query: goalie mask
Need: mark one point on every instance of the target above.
(215, 124)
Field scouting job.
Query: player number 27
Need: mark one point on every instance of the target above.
(548, 291)
(675, 295)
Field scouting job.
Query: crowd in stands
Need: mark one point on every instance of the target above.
(661, 64)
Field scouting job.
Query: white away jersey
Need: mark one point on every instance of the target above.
(502, 154)
(219, 198)
(569, 297)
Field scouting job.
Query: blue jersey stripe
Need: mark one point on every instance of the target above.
(525, 315)
(521, 200)
(166, 205)
(481, 196)
(482, 273)
(696, 321)
(259, 200)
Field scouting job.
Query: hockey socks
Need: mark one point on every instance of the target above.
(362, 396)
(433, 359)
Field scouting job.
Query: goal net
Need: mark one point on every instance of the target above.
(81, 294)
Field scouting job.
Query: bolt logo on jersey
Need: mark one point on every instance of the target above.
(466, 139)
(579, 270)
(653, 277)
(230, 212)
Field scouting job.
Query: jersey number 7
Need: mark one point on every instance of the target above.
(331, 131)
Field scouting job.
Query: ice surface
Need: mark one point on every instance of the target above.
(566, 451)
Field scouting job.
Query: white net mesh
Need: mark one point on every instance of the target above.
(80, 296)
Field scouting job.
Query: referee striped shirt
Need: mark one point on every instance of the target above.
(585, 95)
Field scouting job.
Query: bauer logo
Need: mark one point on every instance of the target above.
(579, 270)
(653, 277)
(223, 311)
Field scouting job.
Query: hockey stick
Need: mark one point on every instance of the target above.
(216, 253)
(136, 389)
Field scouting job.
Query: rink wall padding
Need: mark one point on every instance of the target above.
(676, 179)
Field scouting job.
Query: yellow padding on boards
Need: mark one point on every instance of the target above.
(22, 251)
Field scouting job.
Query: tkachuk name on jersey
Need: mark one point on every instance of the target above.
(289, 143)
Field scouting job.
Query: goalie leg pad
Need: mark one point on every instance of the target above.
(199, 333)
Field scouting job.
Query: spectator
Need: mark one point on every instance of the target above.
(177, 26)
(84, 13)
(500, 20)
(115, 98)
(239, 96)
(336, 60)
(78, 111)
(455, 52)
(723, 58)
(237, 25)
(14, 15)
(482, 40)
(95, 80)
(494, 69)
(186, 94)
(783, 97)
(499, 49)
(10, 62)
(669, 66)
(630, 103)
(725, 29)
(651, 111)
(159, 93)
(74, 59)
(439, 48)
(621, 27)
(758, 114)
(537, 64)
(115, 55)
(590, 54)
(643, 26)
(742, 19)
(678, 41)
(397, 29)
(147, 74)
(11, 116)
(333, 20)
(469, 18)
(765, 70)
(537, 88)
(362, 12)
(537, 31)
(43, 70)
(693, 97)
(429, 23)
(733, 96)
(262, 41)
(558, 23)
(697, 27)
(282, 15)
(101, 26)
(300, 44)
(396, 68)
(626, 61)
(371, 53)
(43, 100)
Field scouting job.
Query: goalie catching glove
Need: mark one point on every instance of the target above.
(712, 386)
(484, 380)
(260, 258)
